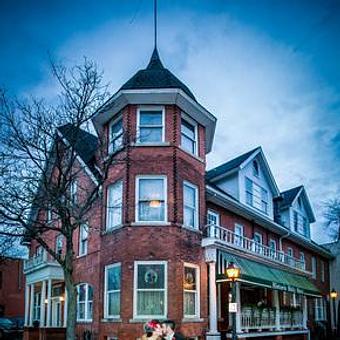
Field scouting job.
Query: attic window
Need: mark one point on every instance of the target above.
(299, 202)
(256, 171)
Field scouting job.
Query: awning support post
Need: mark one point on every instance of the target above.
(277, 309)
(304, 312)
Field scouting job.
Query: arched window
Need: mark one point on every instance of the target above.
(256, 170)
(84, 302)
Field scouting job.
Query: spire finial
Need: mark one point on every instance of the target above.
(155, 22)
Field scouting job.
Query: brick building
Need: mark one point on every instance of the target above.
(12, 288)
(158, 243)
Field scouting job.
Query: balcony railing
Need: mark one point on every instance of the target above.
(236, 241)
(38, 261)
(265, 319)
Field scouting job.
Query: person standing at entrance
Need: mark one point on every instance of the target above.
(168, 328)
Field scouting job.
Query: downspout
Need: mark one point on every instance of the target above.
(282, 237)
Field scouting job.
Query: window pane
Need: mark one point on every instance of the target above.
(151, 276)
(189, 217)
(150, 118)
(150, 134)
(81, 292)
(150, 303)
(188, 129)
(151, 213)
(189, 278)
(151, 189)
(188, 144)
(116, 129)
(115, 192)
(89, 310)
(113, 278)
(113, 303)
(189, 196)
(81, 310)
(189, 303)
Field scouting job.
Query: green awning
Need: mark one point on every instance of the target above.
(260, 273)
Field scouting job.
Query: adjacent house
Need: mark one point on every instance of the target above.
(169, 228)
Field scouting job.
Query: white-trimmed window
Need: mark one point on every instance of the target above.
(213, 218)
(303, 260)
(36, 306)
(114, 205)
(84, 302)
(151, 195)
(112, 291)
(272, 247)
(290, 256)
(74, 191)
(319, 309)
(191, 288)
(150, 125)
(59, 244)
(256, 196)
(189, 136)
(238, 237)
(150, 289)
(313, 267)
(116, 133)
(258, 242)
(83, 239)
(190, 205)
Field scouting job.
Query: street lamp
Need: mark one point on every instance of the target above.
(233, 273)
(334, 295)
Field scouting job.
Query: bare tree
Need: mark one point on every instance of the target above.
(332, 216)
(40, 162)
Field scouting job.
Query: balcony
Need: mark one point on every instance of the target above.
(216, 235)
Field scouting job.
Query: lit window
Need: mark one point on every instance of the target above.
(151, 193)
(112, 290)
(150, 289)
(114, 205)
(116, 135)
(189, 136)
(191, 286)
(59, 245)
(190, 205)
(84, 302)
(83, 239)
(150, 126)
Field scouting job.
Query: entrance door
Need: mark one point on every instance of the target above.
(56, 312)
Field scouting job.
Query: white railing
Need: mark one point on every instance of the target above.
(230, 238)
(37, 260)
(253, 318)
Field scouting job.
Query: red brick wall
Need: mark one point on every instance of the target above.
(12, 288)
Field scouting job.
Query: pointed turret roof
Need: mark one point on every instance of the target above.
(155, 76)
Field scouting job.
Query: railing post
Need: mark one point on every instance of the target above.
(277, 309)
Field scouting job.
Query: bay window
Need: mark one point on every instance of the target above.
(151, 195)
(112, 291)
(150, 289)
(191, 285)
(150, 125)
(190, 205)
(114, 205)
(189, 136)
(116, 135)
(84, 302)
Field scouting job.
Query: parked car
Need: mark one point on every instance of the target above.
(7, 329)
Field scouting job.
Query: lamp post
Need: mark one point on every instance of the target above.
(233, 273)
(334, 295)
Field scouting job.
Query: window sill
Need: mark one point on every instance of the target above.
(84, 321)
(111, 230)
(193, 319)
(107, 320)
(80, 256)
(191, 229)
(151, 223)
(192, 155)
(151, 144)
(146, 319)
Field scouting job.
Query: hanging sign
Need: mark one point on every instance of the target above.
(232, 307)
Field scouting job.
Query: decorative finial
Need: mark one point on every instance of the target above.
(155, 23)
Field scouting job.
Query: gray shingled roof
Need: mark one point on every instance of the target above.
(84, 143)
(155, 76)
(288, 196)
(230, 165)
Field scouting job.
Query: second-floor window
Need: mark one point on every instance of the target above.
(213, 218)
(302, 260)
(150, 125)
(323, 275)
(258, 242)
(59, 245)
(238, 238)
(74, 191)
(83, 239)
(114, 205)
(313, 267)
(152, 199)
(190, 205)
(272, 247)
(256, 196)
(116, 135)
(189, 136)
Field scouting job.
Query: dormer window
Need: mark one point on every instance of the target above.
(150, 125)
(116, 135)
(256, 171)
(189, 136)
(256, 196)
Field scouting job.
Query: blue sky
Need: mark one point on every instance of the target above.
(268, 70)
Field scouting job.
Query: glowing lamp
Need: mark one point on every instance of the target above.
(61, 298)
(155, 204)
(334, 294)
(233, 272)
(46, 300)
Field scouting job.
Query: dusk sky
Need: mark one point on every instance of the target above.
(268, 70)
